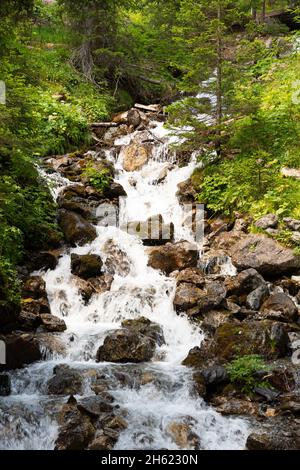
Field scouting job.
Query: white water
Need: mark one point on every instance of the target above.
(26, 419)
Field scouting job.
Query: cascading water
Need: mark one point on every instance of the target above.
(28, 416)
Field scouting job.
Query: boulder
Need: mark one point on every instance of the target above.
(135, 342)
(29, 321)
(44, 260)
(266, 338)
(265, 255)
(183, 436)
(52, 323)
(171, 257)
(86, 266)
(191, 275)
(186, 192)
(50, 345)
(267, 221)
(244, 283)
(5, 385)
(187, 296)
(34, 287)
(94, 285)
(280, 306)
(134, 118)
(94, 406)
(75, 228)
(277, 435)
(9, 314)
(114, 191)
(135, 156)
(257, 297)
(66, 381)
(21, 349)
(76, 430)
(292, 224)
(215, 375)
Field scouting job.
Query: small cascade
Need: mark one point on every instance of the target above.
(28, 418)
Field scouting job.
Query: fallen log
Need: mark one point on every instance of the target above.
(95, 125)
(152, 108)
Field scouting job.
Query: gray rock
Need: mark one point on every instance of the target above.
(257, 297)
(267, 221)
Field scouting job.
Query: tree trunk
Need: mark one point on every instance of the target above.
(254, 13)
(263, 12)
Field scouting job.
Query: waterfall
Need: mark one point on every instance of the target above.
(28, 416)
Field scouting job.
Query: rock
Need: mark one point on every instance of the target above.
(134, 343)
(134, 118)
(86, 266)
(34, 287)
(191, 275)
(213, 319)
(94, 285)
(244, 283)
(215, 375)
(199, 384)
(164, 173)
(5, 385)
(234, 406)
(116, 261)
(266, 338)
(29, 321)
(276, 436)
(197, 358)
(280, 307)
(182, 434)
(186, 192)
(75, 228)
(21, 349)
(212, 296)
(292, 224)
(115, 190)
(265, 255)
(52, 323)
(186, 296)
(44, 260)
(135, 156)
(291, 172)
(267, 221)
(171, 257)
(102, 442)
(295, 238)
(65, 381)
(267, 393)
(76, 430)
(257, 297)
(9, 314)
(94, 406)
(50, 345)
(35, 306)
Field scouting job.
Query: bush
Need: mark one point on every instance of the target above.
(242, 372)
(99, 179)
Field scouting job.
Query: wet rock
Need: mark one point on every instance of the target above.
(94, 406)
(76, 430)
(267, 393)
(75, 228)
(94, 285)
(265, 255)
(280, 307)
(50, 345)
(115, 190)
(135, 156)
(171, 257)
(65, 381)
(164, 173)
(44, 260)
(244, 283)
(199, 384)
(191, 275)
(187, 296)
(52, 323)
(35, 306)
(228, 406)
(186, 192)
(5, 385)
(292, 224)
(266, 338)
(215, 375)
(102, 442)
(198, 357)
(29, 321)
(86, 266)
(182, 434)
(290, 286)
(21, 349)
(134, 118)
(116, 261)
(134, 343)
(257, 297)
(267, 221)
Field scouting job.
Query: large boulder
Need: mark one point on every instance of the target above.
(278, 434)
(187, 296)
(75, 228)
(265, 255)
(171, 257)
(21, 349)
(280, 307)
(34, 287)
(135, 156)
(52, 323)
(194, 301)
(86, 266)
(135, 342)
(186, 192)
(65, 381)
(244, 283)
(266, 338)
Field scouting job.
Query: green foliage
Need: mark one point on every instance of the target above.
(99, 179)
(242, 372)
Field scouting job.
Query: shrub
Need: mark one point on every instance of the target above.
(242, 372)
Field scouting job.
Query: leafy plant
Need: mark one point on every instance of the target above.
(99, 179)
(242, 371)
